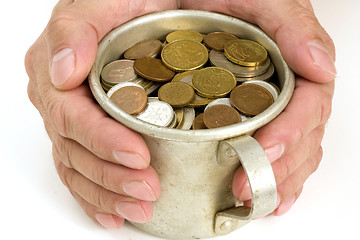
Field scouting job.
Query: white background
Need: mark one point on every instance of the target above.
(35, 205)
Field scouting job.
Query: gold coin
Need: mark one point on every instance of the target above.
(131, 99)
(213, 82)
(179, 114)
(251, 99)
(184, 35)
(184, 55)
(245, 52)
(146, 48)
(177, 94)
(220, 116)
(217, 40)
(153, 69)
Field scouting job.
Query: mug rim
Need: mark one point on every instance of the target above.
(246, 127)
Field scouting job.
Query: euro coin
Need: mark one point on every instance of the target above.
(199, 122)
(245, 52)
(184, 55)
(218, 40)
(146, 48)
(220, 116)
(251, 99)
(184, 35)
(218, 59)
(263, 77)
(130, 98)
(153, 69)
(213, 82)
(177, 94)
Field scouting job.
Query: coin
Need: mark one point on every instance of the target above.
(129, 97)
(179, 114)
(186, 77)
(263, 77)
(251, 99)
(158, 113)
(199, 122)
(220, 60)
(217, 40)
(220, 116)
(184, 35)
(213, 82)
(118, 71)
(245, 52)
(267, 86)
(153, 69)
(219, 101)
(184, 55)
(146, 48)
(177, 94)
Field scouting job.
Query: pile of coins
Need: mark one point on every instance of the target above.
(192, 81)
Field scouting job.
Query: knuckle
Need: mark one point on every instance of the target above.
(56, 110)
(63, 149)
(101, 175)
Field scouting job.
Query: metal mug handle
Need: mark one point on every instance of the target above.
(260, 177)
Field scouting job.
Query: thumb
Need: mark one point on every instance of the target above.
(76, 27)
(304, 44)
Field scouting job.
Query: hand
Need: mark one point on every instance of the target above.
(292, 141)
(104, 164)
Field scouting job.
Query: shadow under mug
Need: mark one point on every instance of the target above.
(196, 167)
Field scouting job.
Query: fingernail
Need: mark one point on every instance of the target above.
(131, 211)
(106, 220)
(130, 159)
(273, 153)
(140, 190)
(285, 206)
(63, 65)
(246, 192)
(321, 57)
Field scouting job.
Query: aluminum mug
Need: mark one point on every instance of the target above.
(196, 167)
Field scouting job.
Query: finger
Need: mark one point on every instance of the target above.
(297, 179)
(304, 44)
(105, 200)
(285, 206)
(73, 37)
(284, 166)
(309, 107)
(107, 220)
(140, 184)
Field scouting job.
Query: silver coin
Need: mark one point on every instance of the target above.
(121, 85)
(267, 86)
(118, 71)
(219, 59)
(189, 116)
(219, 101)
(149, 86)
(158, 113)
(263, 77)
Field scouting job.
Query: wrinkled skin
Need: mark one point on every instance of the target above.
(105, 165)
